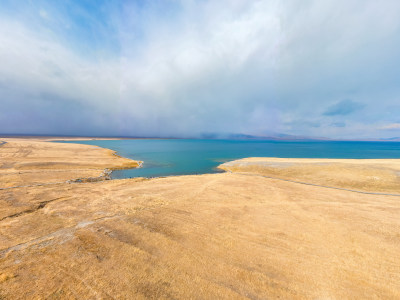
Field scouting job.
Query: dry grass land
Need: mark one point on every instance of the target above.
(219, 236)
(369, 175)
(30, 161)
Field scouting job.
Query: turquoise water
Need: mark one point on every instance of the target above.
(165, 157)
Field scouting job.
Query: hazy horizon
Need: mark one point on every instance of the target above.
(191, 68)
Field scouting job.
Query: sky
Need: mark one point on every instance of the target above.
(170, 68)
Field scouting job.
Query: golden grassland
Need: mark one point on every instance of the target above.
(369, 175)
(216, 236)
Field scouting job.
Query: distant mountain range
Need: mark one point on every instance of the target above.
(268, 136)
(287, 137)
(236, 136)
(393, 139)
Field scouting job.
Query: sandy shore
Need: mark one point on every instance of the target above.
(34, 161)
(236, 235)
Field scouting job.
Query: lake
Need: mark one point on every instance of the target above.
(166, 157)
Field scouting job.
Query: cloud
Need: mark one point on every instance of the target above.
(393, 126)
(182, 68)
(338, 124)
(343, 108)
(43, 14)
(304, 124)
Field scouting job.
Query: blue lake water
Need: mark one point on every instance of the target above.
(165, 157)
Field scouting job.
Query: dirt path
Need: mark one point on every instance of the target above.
(318, 185)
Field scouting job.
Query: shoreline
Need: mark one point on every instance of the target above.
(38, 162)
(277, 164)
(107, 172)
(262, 166)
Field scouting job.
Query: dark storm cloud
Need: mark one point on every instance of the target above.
(343, 108)
(338, 124)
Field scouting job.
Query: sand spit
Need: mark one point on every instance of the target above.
(214, 236)
(33, 162)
